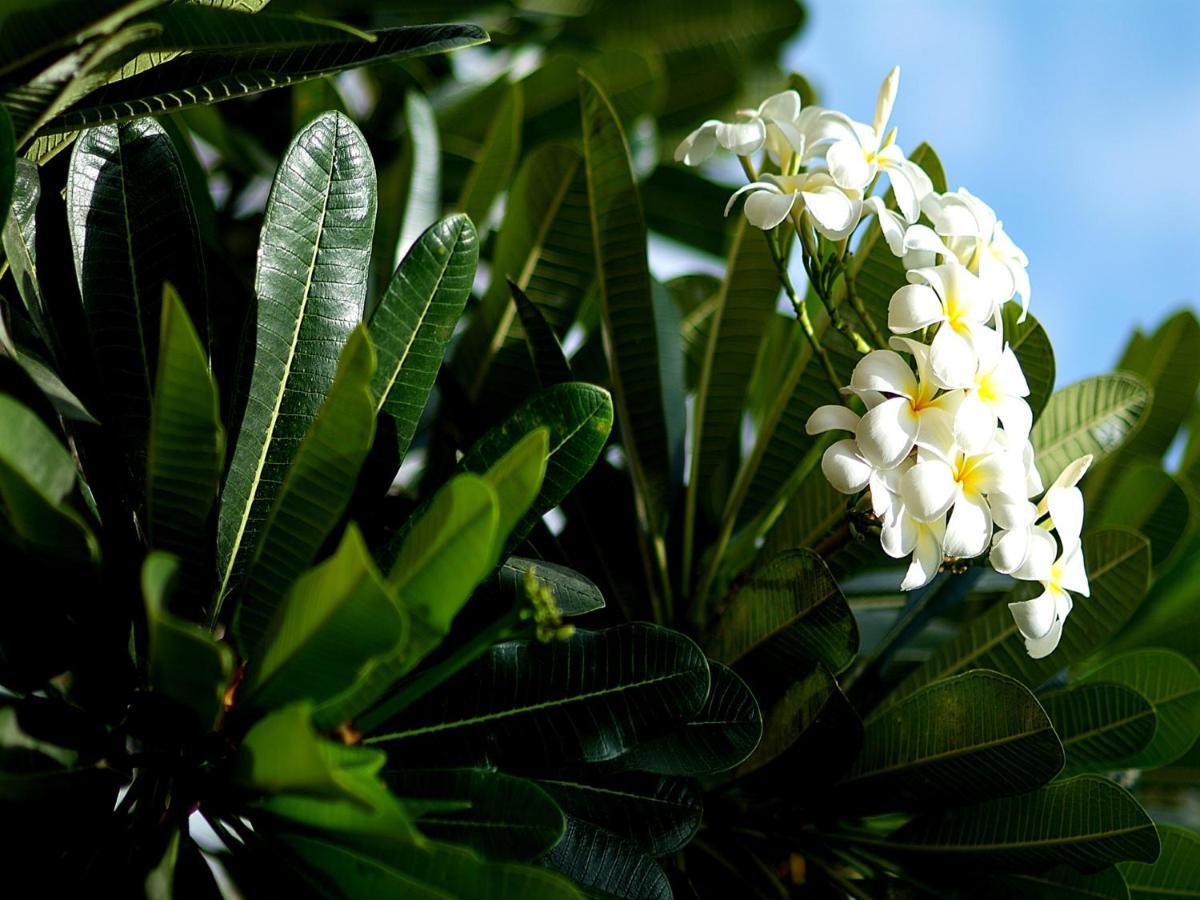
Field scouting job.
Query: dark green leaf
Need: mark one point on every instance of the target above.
(311, 283)
(574, 594)
(315, 491)
(960, 740)
(496, 815)
(1030, 342)
(8, 164)
(414, 321)
(20, 246)
(1166, 362)
(1172, 686)
(790, 609)
(1059, 883)
(1100, 724)
(1086, 822)
(1176, 873)
(133, 230)
(1096, 416)
(598, 694)
(545, 352)
(658, 815)
(1143, 497)
(497, 158)
(607, 867)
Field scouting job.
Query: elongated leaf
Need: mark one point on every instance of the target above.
(423, 872)
(1176, 872)
(20, 246)
(1086, 822)
(629, 323)
(32, 28)
(1100, 723)
(1166, 362)
(1096, 416)
(1172, 685)
(658, 815)
(415, 319)
(790, 609)
(718, 738)
(332, 622)
(315, 491)
(8, 164)
(496, 815)
(960, 740)
(685, 206)
(573, 594)
(132, 230)
(446, 551)
(1118, 568)
(1030, 342)
(1143, 497)
(497, 158)
(599, 694)
(545, 352)
(578, 417)
(36, 476)
(186, 450)
(212, 77)
(606, 866)
(422, 201)
(311, 284)
(1059, 883)
(186, 663)
(516, 477)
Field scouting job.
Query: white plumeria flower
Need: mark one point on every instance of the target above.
(1022, 450)
(1041, 619)
(834, 211)
(903, 534)
(912, 412)
(963, 484)
(1018, 530)
(1069, 477)
(977, 238)
(773, 124)
(918, 245)
(956, 301)
(996, 393)
(844, 467)
(856, 159)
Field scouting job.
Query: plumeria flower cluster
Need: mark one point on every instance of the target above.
(938, 422)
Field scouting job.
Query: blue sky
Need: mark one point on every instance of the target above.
(1077, 120)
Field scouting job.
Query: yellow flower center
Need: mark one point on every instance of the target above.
(967, 474)
(987, 389)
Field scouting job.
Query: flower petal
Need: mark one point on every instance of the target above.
(1017, 418)
(831, 417)
(848, 165)
(929, 489)
(1009, 550)
(913, 307)
(952, 358)
(699, 145)
(936, 430)
(887, 433)
(1035, 617)
(1065, 506)
(742, 138)
(886, 99)
(845, 468)
(784, 106)
(1039, 559)
(974, 423)
(899, 537)
(886, 371)
(1073, 572)
(969, 530)
(927, 558)
(1039, 648)
(765, 209)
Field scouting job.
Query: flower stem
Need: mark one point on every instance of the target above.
(856, 303)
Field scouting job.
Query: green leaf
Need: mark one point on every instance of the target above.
(658, 815)
(578, 417)
(315, 492)
(186, 663)
(631, 332)
(1096, 416)
(1118, 564)
(1172, 685)
(1100, 723)
(1176, 872)
(789, 609)
(1166, 362)
(719, 737)
(545, 352)
(332, 622)
(8, 164)
(133, 230)
(686, 207)
(421, 871)
(497, 158)
(211, 77)
(517, 477)
(186, 450)
(1146, 499)
(960, 740)
(498, 816)
(445, 551)
(20, 246)
(422, 200)
(598, 694)
(36, 476)
(573, 594)
(414, 321)
(311, 284)
(744, 306)
(1030, 342)
(1086, 822)
(1059, 883)
(606, 866)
